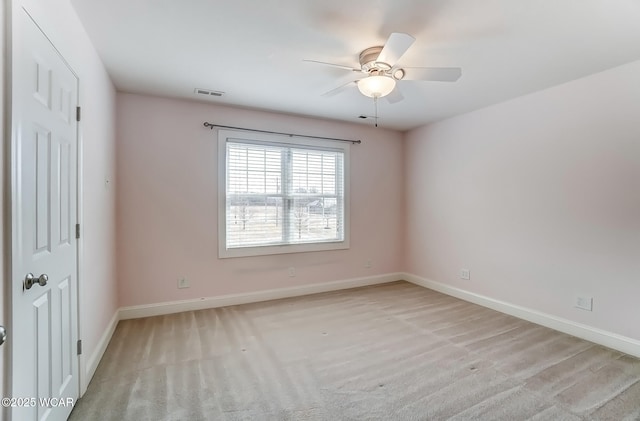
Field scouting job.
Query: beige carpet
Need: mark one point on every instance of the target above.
(390, 352)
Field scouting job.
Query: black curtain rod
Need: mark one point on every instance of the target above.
(211, 126)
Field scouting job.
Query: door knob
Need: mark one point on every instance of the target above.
(3, 335)
(43, 279)
(31, 280)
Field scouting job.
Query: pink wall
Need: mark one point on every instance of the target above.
(97, 284)
(539, 197)
(167, 204)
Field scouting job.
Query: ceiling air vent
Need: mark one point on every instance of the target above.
(208, 92)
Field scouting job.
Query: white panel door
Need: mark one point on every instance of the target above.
(44, 196)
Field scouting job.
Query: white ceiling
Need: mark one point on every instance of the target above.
(253, 49)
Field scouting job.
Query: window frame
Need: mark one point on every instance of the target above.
(286, 141)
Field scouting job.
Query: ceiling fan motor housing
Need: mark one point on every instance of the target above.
(369, 64)
(368, 61)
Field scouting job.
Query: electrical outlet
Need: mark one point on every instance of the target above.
(465, 274)
(584, 303)
(367, 263)
(292, 272)
(183, 283)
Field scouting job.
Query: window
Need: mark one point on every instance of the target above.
(281, 195)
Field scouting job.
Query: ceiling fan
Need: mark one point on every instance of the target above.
(381, 72)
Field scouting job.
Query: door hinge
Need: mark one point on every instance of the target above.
(79, 346)
(77, 231)
(78, 113)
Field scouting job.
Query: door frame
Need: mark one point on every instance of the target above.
(5, 134)
(11, 166)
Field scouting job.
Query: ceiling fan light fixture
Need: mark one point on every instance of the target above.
(376, 86)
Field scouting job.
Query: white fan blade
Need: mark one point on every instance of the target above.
(339, 89)
(436, 74)
(395, 96)
(340, 66)
(397, 44)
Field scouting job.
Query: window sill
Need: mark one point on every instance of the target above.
(224, 253)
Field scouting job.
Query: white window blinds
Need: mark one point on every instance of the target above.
(282, 195)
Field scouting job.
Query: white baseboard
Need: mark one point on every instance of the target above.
(96, 356)
(158, 309)
(611, 340)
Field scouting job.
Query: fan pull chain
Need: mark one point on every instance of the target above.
(375, 105)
